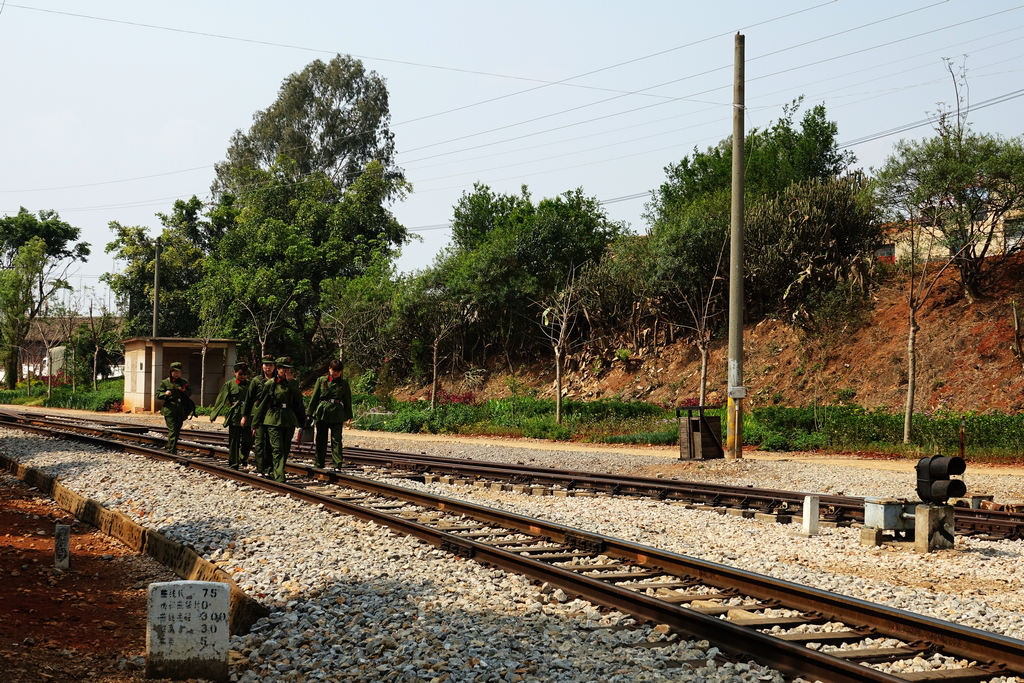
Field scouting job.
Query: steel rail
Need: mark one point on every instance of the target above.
(791, 657)
(836, 508)
(999, 523)
(953, 639)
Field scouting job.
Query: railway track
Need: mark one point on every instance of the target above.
(775, 622)
(781, 504)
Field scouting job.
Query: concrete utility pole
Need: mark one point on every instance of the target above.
(156, 284)
(737, 392)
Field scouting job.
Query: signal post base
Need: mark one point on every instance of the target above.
(933, 528)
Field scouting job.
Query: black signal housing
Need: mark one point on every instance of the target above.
(933, 478)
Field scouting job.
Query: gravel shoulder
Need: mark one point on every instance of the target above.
(370, 604)
(86, 623)
(353, 601)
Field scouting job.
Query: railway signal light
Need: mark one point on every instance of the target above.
(933, 478)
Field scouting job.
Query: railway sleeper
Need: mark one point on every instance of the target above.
(970, 674)
(878, 655)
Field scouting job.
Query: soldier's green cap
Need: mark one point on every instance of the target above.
(241, 366)
(283, 362)
(269, 359)
(175, 365)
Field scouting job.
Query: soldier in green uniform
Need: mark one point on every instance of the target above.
(280, 410)
(174, 392)
(260, 438)
(329, 407)
(231, 404)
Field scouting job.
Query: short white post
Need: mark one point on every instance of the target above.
(187, 635)
(62, 547)
(810, 526)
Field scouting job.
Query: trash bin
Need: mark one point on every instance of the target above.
(700, 436)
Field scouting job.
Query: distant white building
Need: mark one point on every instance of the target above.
(897, 240)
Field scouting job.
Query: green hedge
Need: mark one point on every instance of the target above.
(847, 427)
(773, 428)
(521, 415)
(108, 396)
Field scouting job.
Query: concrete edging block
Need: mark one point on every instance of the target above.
(182, 560)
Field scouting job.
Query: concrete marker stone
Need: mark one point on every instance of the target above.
(62, 547)
(187, 633)
(810, 525)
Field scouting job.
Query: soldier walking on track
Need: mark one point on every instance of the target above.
(260, 438)
(231, 404)
(178, 405)
(330, 406)
(280, 410)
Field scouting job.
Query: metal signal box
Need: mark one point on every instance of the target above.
(889, 514)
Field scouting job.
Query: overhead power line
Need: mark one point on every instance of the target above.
(111, 182)
(618, 64)
(405, 62)
(631, 92)
(542, 83)
(267, 43)
(671, 82)
(702, 92)
(984, 104)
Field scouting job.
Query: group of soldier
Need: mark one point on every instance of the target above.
(262, 414)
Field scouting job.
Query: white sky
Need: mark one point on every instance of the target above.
(90, 106)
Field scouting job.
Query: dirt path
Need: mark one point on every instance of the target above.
(84, 624)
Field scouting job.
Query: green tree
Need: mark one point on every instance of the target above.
(358, 311)
(201, 226)
(508, 252)
(331, 118)
(36, 253)
(690, 260)
(180, 258)
(809, 237)
(479, 212)
(961, 185)
(21, 302)
(774, 157)
(289, 240)
(623, 300)
(59, 237)
(560, 312)
(98, 339)
(802, 221)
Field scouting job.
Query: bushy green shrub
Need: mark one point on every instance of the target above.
(775, 428)
(753, 432)
(545, 428)
(851, 426)
(510, 412)
(366, 383)
(108, 396)
(21, 396)
(453, 417)
(781, 418)
(774, 441)
(807, 441)
(610, 408)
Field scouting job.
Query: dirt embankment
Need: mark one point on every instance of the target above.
(965, 359)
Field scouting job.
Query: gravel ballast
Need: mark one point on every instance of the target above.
(978, 584)
(354, 601)
(374, 605)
